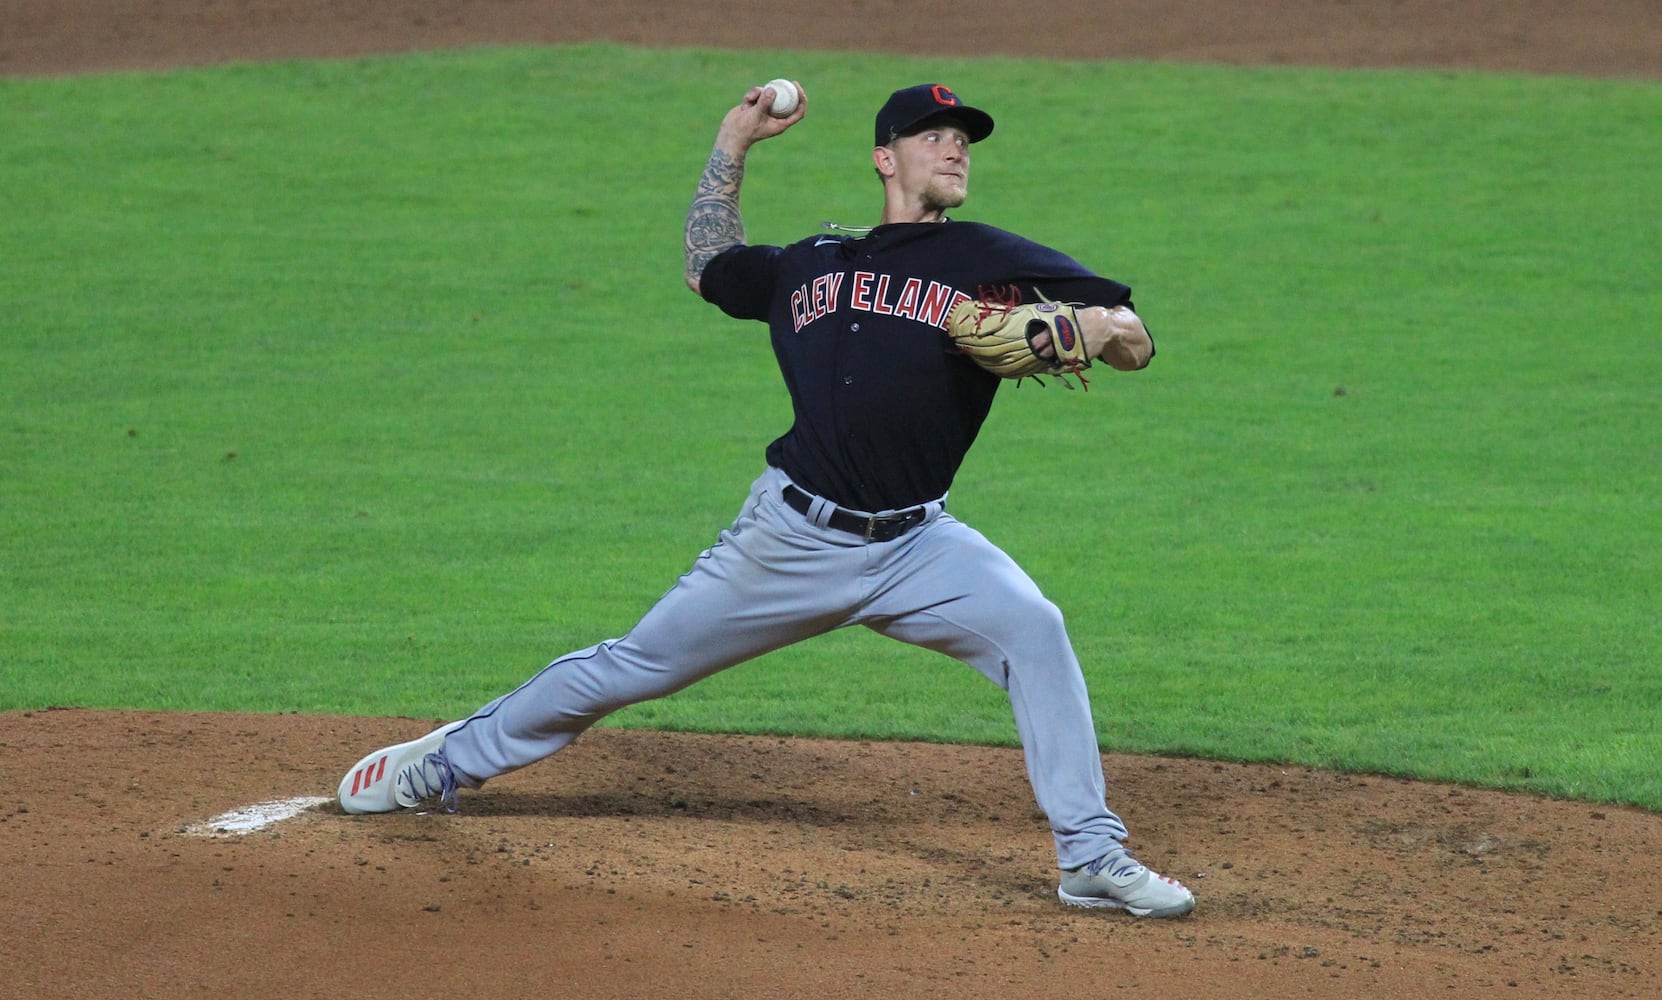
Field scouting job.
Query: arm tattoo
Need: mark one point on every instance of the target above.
(713, 221)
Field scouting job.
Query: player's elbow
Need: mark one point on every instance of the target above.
(1128, 346)
(693, 273)
(1129, 354)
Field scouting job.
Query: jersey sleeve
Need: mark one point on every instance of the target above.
(1089, 289)
(1043, 271)
(1035, 270)
(1057, 276)
(740, 280)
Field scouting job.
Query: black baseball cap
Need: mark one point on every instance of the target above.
(906, 110)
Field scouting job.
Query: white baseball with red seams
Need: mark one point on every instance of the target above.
(785, 98)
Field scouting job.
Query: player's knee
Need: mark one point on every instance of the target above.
(1030, 616)
(1048, 617)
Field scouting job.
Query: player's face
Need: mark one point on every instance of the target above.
(933, 165)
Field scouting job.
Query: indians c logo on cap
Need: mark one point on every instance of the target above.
(944, 96)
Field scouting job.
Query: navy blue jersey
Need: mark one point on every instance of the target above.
(885, 410)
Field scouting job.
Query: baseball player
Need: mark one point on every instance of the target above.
(879, 335)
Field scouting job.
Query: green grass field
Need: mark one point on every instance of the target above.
(371, 386)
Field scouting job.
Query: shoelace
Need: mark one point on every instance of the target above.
(444, 788)
(1119, 864)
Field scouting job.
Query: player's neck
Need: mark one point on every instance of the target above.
(893, 214)
(902, 204)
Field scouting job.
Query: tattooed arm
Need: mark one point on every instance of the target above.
(714, 222)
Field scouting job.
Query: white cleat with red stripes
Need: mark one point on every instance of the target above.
(1118, 881)
(402, 777)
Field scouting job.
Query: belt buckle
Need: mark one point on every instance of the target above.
(893, 525)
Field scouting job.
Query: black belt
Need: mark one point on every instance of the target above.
(873, 528)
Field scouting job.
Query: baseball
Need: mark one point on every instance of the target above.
(784, 98)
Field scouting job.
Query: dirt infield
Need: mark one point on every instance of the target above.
(647, 864)
(1584, 37)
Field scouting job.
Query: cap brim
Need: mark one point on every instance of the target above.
(977, 124)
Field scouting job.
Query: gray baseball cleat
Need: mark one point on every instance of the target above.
(1119, 881)
(402, 777)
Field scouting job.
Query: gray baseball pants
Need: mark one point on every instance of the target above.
(775, 577)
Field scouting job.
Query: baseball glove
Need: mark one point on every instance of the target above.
(997, 332)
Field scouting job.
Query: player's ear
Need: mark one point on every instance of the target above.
(882, 158)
